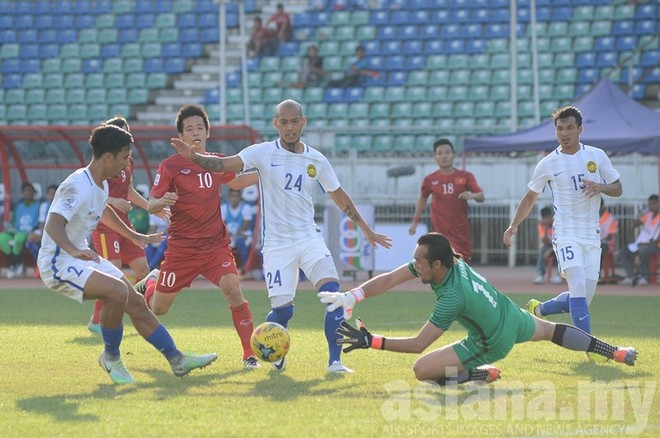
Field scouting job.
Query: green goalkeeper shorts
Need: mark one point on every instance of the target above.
(519, 327)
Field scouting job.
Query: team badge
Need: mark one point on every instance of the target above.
(69, 203)
(591, 166)
(460, 181)
(311, 171)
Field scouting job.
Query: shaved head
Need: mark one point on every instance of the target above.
(288, 104)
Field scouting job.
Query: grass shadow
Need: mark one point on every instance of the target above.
(66, 407)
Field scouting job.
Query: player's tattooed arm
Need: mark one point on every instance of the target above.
(209, 162)
(345, 204)
(352, 214)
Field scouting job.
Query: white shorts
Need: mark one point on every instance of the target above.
(68, 275)
(281, 265)
(572, 253)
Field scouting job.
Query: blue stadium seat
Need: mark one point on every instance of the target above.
(380, 17)
(192, 50)
(333, 95)
(396, 78)
(646, 11)
(127, 35)
(189, 35)
(147, 20)
(29, 50)
(124, 21)
(650, 58)
(429, 32)
(12, 80)
(392, 47)
(604, 44)
(647, 27)
(209, 35)
(622, 28)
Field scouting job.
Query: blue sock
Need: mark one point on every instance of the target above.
(163, 342)
(332, 322)
(281, 315)
(112, 339)
(558, 304)
(580, 314)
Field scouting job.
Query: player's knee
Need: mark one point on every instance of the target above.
(117, 294)
(423, 371)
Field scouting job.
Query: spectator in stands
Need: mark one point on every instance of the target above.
(356, 72)
(311, 69)
(645, 246)
(451, 189)
(260, 42)
(609, 227)
(545, 246)
(34, 239)
(24, 221)
(238, 218)
(280, 23)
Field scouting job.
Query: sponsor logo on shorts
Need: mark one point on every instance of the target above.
(226, 264)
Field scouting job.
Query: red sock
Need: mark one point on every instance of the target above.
(97, 311)
(244, 325)
(149, 292)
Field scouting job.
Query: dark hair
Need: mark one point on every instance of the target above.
(442, 141)
(546, 212)
(108, 138)
(190, 111)
(566, 112)
(120, 122)
(653, 198)
(438, 248)
(27, 184)
(52, 186)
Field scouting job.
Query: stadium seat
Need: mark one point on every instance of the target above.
(74, 81)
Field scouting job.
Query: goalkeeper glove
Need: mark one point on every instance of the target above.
(347, 300)
(359, 337)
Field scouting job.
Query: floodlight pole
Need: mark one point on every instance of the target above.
(222, 98)
(244, 72)
(513, 54)
(535, 62)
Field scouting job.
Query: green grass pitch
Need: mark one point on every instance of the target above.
(51, 384)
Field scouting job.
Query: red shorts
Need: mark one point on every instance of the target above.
(179, 269)
(113, 246)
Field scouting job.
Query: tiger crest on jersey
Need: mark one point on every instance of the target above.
(311, 171)
(591, 167)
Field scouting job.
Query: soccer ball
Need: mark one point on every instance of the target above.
(270, 342)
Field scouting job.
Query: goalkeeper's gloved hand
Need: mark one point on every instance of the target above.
(347, 300)
(359, 337)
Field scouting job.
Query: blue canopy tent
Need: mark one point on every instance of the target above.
(612, 121)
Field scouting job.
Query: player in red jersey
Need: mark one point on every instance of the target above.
(451, 189)
(109, 244)
(199, 242)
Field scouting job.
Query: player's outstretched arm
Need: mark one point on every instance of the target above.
(111, 219)
(345, 204)
(374, 286)
(211, 163)
(243, 180)
(360, 337)
(524, 208)
(56, 229)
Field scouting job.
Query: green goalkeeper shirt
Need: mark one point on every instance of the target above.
(467, 297)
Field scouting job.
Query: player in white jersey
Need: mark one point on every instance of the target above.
(576, 175)
(68, 266)
(288, 170)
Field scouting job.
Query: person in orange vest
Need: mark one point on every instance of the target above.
(545, 246)
(609, 227)
(646, 245)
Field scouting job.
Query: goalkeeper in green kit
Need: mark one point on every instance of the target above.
(494, 323)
